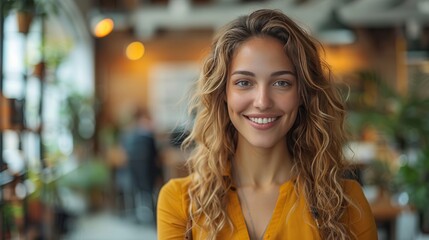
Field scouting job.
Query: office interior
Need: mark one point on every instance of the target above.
(73, 75)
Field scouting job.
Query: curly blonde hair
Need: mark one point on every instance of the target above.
(315, 141)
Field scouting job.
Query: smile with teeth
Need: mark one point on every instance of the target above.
(262, 120)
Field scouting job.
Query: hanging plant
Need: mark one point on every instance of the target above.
(26, 10)
(25, 14)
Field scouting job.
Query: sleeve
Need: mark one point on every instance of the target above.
(360, 218)
(171, 211)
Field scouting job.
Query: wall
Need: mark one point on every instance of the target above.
(123, 83)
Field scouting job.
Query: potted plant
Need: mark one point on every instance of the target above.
(27, 9)
(402, 121)
(414, 179)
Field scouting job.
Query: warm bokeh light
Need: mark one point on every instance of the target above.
(103, 27)
(135, 50)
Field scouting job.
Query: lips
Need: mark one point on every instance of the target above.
(262, 120)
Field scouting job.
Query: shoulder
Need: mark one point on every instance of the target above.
(354, 192)
(352, 186)
(359, 215)
(174, 195)
(173, 199)
(177, 185)
(172, 209)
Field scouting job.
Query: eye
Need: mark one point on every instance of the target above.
(243, 83)
(281, 83)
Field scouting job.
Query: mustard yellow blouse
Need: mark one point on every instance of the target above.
(291, 218)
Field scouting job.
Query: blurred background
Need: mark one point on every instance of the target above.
(93, 97)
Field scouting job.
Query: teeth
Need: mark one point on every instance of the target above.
(262, 120)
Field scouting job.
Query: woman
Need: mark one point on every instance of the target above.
(267, 143)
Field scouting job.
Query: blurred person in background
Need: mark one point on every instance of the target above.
(267, 143)
(142, 169)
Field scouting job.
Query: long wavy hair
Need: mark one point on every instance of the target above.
(315, 140)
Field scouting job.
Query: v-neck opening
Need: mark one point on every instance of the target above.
(273, 223)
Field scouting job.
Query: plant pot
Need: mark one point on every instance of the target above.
(4, 113)
(35, 211)
(24, 21)
(40, 70)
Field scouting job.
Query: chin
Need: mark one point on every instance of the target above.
(262, 144)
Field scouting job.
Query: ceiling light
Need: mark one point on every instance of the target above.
(333, 31)
(135, 50)
(102, 27)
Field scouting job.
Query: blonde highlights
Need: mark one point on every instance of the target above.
(315, 140)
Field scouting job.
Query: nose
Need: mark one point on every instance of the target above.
(262, 99)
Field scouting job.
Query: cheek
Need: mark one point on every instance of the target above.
(235, 102)
(293, 105)
(290, 103)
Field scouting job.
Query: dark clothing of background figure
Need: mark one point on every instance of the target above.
(141, 151)
(142, 170)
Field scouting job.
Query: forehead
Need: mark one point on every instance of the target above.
(261, 52)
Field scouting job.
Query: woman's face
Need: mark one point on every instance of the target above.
(262, 92)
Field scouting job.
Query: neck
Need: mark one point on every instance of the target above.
(262, 167)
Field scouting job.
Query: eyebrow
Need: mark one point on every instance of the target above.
(274, 74)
